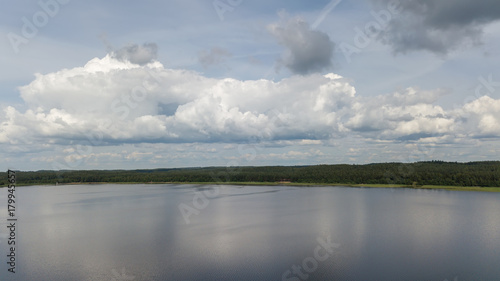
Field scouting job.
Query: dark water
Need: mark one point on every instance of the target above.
(137, 232)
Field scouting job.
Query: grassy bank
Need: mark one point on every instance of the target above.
(253, 183)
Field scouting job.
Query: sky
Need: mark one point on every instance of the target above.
(163, 84)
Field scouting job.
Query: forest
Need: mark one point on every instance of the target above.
(478, 174)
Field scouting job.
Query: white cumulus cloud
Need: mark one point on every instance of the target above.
(113, 101)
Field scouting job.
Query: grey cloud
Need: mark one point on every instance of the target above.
(215, 56)
(444, 14)
(438, 26)
(137, 54)
(307, 50)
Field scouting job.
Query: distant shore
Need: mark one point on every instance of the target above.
(470, 176)
(436, 187)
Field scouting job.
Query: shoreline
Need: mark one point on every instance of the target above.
(433, 187)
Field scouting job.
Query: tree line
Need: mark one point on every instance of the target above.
(483, 174)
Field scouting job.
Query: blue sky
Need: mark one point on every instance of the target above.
(125, 84)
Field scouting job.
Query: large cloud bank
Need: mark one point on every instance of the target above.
(117, 101)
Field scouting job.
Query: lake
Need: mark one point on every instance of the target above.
(208, 232)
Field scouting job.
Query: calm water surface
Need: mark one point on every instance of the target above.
(138, 232)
